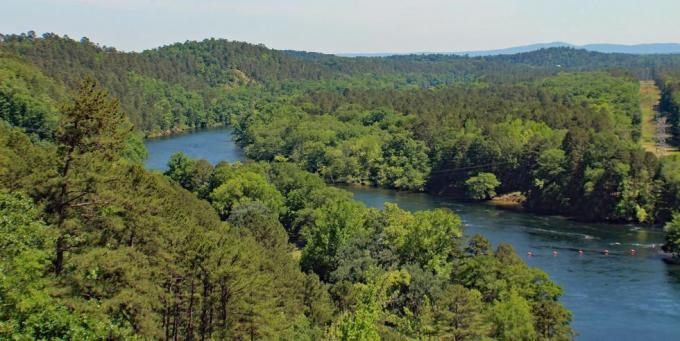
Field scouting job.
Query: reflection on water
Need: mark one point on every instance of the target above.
(616, 296)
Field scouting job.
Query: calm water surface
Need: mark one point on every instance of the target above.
(614, 297)
(213, 145)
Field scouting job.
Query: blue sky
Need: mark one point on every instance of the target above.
(351, 25)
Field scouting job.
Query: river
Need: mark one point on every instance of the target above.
(618, 296)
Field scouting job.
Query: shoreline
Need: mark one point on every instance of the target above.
(179, 131)
(507, 202)
(512, 201)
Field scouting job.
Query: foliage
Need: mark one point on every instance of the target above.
(482, 186)
(389, 273)
(95, 247)
(668, 80)
(28, 98)
(419, 122)
(568, 142)
(242, 187)
(672, 230)
(123, 253)
(460, 314)
(512, 319)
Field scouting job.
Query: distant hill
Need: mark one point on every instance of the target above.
(660, 48)
(634, 49)
(514, 50)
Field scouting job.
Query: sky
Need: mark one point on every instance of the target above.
(350, 26)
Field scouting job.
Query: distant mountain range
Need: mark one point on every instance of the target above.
(660, 48)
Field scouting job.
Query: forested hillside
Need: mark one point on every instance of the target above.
(93, 246)
(96, 247)
(419, 122)
(184, 85)
(569, 142)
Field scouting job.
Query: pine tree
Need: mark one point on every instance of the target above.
(90, 138)
(460, 315)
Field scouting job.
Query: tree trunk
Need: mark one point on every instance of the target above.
(59, 258)
(190, 312)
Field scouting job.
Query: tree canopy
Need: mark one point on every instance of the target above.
(93, 246)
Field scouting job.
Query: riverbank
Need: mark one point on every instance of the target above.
(179, 131)
(512, 201)
(194, 144)
(213, 144)
(616, 296)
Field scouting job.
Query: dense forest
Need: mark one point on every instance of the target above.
(570, 142)
(96, 247)
(189, 85)
(93, 246)
(668, 80)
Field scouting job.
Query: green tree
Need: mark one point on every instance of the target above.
(326, 228)
(91, 135)
(427, 238)
(482, 186)
(478, 245)
(260, 222)
(406, 165)
(547, 191)
(552, 321)
(244, 187)
(460, 315)
(319, 307)
(672, 231)
(512, 319)
(364, 322)
(28, 309)
(180, 167)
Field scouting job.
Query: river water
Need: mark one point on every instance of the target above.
(618, 296)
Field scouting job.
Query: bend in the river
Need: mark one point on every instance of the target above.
(618, 296)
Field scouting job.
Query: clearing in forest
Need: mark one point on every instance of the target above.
(654, 130)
